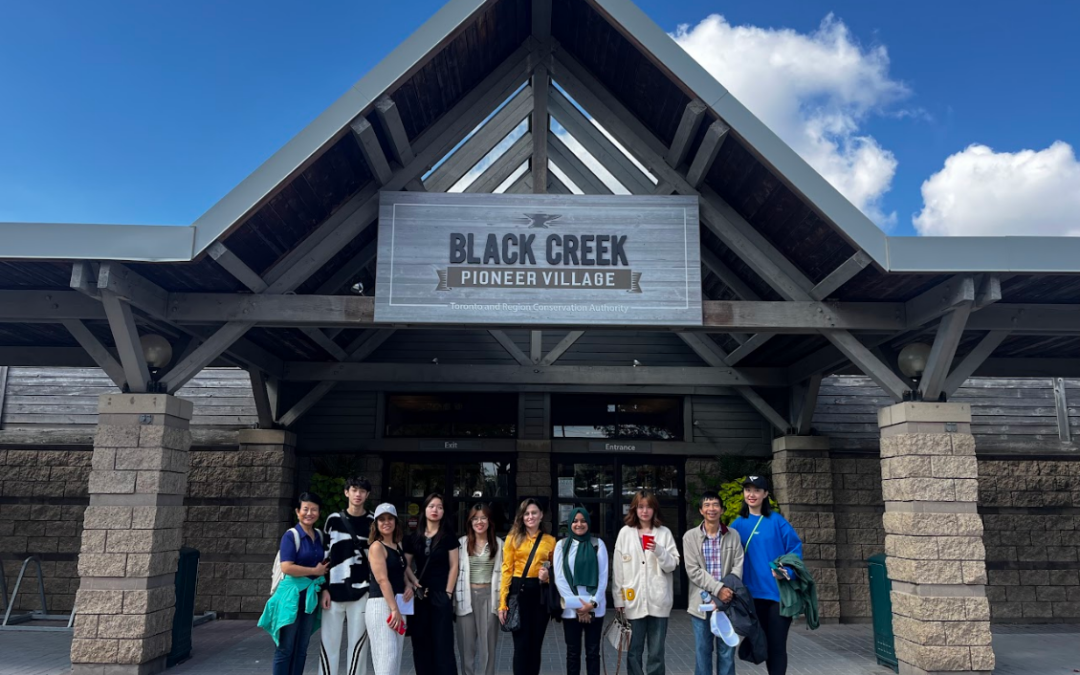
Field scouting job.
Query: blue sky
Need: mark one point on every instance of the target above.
(149, 113)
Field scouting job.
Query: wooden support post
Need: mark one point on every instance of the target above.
(3, 396)
(97, 352)
(560, 349)
(707, 152)
(949, 332)
(390, 117)
(692, 117)
(864, 360)
(126, 337)
(262, 398)
(975, 358)
(536, 342)
(988, 291)
(1061, 404)
(236, 267)
(840, 276)
(539, 124)
(511, 348)
(807, 403)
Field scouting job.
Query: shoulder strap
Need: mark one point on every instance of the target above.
(434, 543)
(344, 518)
(528, 562)
(295, 539)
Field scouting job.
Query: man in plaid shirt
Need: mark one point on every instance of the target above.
(711, 551)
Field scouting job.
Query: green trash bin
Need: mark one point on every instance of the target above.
(881, 606)
(187, 578)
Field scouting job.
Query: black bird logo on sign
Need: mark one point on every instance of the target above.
(540, 220)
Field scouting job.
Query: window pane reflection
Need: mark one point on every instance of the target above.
(585, 481)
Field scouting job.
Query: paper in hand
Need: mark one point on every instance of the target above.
(405, 608)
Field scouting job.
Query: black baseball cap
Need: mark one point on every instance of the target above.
(760, 482)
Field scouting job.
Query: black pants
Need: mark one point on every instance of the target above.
(776, 630)
(432, 632)
(529, 639)
(572, 631)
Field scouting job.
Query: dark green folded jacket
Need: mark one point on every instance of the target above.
(799, 595)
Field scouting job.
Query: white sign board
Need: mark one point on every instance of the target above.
(538, 259)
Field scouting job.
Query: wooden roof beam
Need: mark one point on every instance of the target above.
(946, 340)
(560, 349)
(575, 168)
(539, 122)
(706, 154)
(934, 303)
(974, 359)
(126, 337)
(503, 167)
(494, 130)
(373, 153)
(512, 349)
(691, 121)
(841, 275)
(97, 351)
(390, 116)
(236, 267)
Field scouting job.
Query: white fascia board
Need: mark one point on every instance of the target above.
(1020, 255)
(253, 189)
(853, 224)
(73, 241)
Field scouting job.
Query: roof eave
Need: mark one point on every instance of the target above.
(73, 241)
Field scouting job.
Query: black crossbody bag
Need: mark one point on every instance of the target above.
(513, 609)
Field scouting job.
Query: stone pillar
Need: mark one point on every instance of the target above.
(803, 487)
(131, 536)
(934, 539)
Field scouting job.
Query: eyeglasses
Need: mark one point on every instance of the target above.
(479, 519)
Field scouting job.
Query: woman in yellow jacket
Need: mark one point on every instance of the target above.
(525, 535)
(644, 560)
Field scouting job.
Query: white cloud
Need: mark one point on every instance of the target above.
(815, 91)
(982, 192)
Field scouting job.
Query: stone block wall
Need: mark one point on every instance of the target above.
(860, 534)
(43, 493)
(1031, 515)
(238, 507)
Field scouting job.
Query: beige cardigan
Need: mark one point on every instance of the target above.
(462, 594)
(731, 562)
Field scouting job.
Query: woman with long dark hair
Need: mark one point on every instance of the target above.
(766, 535)
(291, 614)
(434, 552)
(526, 558)
(642, 583)
(477, 593)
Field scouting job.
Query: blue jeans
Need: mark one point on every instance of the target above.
(704, 642)
(651, 630)
(291, 652)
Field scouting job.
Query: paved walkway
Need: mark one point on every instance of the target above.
(239, 647)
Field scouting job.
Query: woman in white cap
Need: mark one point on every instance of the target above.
(392, 582)
(766, 535)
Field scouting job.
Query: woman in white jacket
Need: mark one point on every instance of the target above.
(476, 594)
(642, 581)
(581, 575)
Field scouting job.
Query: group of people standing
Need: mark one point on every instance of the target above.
(363, 572)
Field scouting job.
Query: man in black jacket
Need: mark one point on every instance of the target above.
(344, 597)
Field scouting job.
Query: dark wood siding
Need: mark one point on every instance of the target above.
(729, 425)
(342, 421)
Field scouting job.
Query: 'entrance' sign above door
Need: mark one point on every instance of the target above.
(538, 259)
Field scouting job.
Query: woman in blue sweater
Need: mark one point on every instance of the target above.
(766, 536)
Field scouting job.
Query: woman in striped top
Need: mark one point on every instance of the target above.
(476, 601)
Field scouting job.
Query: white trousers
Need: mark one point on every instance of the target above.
(351, 613)
(386, 644)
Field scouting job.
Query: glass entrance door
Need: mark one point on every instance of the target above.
(605, 484)
(463, 481)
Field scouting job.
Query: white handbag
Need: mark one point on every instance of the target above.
(618, 634)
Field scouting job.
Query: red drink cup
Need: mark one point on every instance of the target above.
(646, 539)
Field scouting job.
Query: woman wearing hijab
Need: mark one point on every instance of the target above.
(581, 575)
